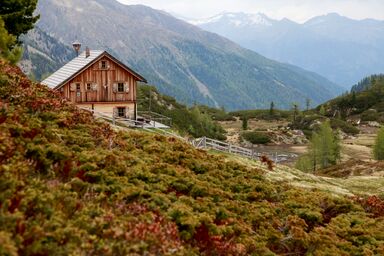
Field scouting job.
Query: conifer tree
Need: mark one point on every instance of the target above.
(322, 110)
(378, 148)
(272, 109)
(308, 103)
(18, 16)
(324, 150)
(6, 42)
(296, 111)
(245, 123)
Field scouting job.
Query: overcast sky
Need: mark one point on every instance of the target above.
(297, 10)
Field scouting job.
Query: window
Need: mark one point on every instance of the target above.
(89, 86)
(121, 112)
(120, 87)
(103, 64)
(77, 86)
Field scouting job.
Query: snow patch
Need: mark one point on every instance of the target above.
(236, 19)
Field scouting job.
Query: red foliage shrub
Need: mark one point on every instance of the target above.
(216, 245)
(15, 203)
(372, 204)
(268, 162)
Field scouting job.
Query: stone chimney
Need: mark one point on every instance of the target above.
(87, 52)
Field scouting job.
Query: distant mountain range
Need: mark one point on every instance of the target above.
(341, 49)
(182, 60)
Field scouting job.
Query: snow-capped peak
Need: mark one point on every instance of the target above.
(237, 19)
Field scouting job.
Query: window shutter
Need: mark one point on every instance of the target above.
(115, 87)
(126, 87)
(94, 87)
(100, 66)
(72, 87)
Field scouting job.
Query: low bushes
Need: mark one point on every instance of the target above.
(71, 185)
(344, 126)
(256, 137)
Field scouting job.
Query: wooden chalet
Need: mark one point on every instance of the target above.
(98, 81)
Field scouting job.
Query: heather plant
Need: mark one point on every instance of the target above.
(72, 185)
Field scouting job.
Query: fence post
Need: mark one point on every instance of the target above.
(230, 148)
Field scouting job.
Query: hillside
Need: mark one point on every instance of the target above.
(72, 185)
(366, 83)
(178, 57)
(43, 54)
(192, 121)
(365, 102)
(336, 47)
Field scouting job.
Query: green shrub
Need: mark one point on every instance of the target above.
(304, 163)
(256, 137)
(344, 126)
(370, 115)
(197, 121)
(263, 114)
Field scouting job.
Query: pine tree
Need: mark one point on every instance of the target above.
(18, 16)
(245, 123)
(308, 103)
(6, 42)
(272, 109)
(296, 112)
(353, 100)
(322, 110)
(378, 148)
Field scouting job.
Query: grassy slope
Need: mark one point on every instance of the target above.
(72, 185)
(363, 184)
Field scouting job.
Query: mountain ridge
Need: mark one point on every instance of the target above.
(337, 47)
(178, 57)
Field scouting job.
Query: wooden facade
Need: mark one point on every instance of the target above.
(104, 85)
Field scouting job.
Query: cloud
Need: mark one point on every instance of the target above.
(298, 10)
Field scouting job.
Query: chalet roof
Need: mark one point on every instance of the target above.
(77, 65)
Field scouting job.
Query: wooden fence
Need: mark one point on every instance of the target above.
(207, 143)
(202, 143)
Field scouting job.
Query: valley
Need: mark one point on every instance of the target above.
(337, 47)
(287, 142)
(177, 57)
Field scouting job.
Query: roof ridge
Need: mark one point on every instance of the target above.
(77, 65)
